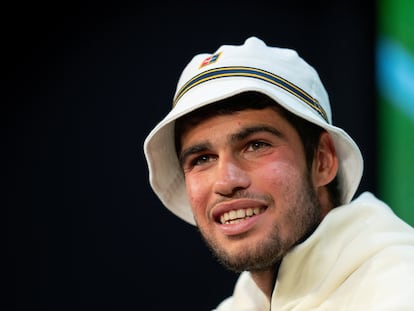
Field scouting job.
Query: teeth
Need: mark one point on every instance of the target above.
(241, 213)
(235, 216)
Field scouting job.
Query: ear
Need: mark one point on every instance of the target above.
(325, 161)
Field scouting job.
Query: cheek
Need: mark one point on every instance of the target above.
(197, 194)
(279, 175)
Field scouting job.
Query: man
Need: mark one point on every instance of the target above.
(249, 155)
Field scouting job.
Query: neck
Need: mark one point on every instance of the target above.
(265, 280)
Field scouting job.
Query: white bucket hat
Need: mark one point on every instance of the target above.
(278, 73)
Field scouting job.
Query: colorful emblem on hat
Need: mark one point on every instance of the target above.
(210, 60)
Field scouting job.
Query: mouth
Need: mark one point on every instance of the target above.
(238, 215)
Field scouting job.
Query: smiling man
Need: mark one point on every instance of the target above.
(249, 155)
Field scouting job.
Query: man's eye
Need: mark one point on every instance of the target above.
(257, 145)
(200, 160)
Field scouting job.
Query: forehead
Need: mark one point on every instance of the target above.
(239, 102)
(203, 127)
(200, 115)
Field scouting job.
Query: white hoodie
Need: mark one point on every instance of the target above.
(361, 257)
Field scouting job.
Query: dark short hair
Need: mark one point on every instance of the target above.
(308, 132)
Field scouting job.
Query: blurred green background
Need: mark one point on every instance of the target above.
(395, 80)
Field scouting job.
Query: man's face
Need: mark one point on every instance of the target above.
(249, 187)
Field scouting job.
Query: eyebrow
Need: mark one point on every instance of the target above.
(247, 131)
(236, 137)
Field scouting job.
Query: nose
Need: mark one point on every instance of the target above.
(230, 177)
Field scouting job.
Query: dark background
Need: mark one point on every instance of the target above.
(83, 84)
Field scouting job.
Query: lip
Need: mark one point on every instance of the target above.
(242, 226)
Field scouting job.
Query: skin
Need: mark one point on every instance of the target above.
(255, 159)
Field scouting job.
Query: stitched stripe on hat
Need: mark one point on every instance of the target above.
(251, 72)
